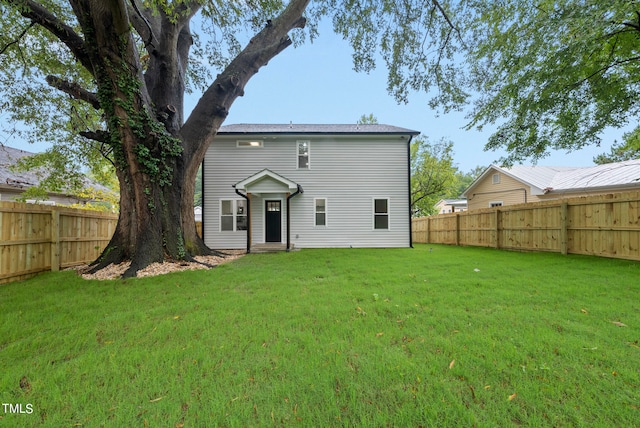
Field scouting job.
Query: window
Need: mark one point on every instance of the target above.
(381, 214)
(495, 204)
(496, 179)
(252, 143)
(303, 154)
(321, 212)
(233, 215)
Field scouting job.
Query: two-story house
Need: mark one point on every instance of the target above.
(307, 186)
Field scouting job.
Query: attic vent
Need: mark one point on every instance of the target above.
(496, 179)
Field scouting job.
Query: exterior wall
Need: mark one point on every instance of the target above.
(509, 192)
(349, 172)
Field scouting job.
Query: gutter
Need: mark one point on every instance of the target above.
(248, 218)
(409, 190)
(297, 192)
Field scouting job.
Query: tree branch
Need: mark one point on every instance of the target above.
(605, 68)
(437, 4)
(99, 136)
(43, 17)
(17, 40)
(143, 22)
(214, 104)
(75, 90)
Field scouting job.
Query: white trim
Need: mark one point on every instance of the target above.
(495, 178)
(283, 218)
(234, 214)
(308, 143)
(373, 212)
(315, 213)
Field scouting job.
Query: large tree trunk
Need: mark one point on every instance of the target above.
(157, 154)
(156, 222)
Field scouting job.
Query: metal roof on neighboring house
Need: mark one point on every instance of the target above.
(546, 179)
(537, 176)
(625, 173)
(310, 129)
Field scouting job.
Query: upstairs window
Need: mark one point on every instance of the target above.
(233, 215)
(303, 154)
(321, 212)
(381, 214)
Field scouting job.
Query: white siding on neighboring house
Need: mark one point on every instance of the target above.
(347, 171)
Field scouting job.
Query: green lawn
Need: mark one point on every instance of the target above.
(431, 336)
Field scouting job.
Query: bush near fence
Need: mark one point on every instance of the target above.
(603, 225)
(38, 238)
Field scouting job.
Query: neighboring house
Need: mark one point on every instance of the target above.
(13, 184)
(445, 206)
(499, 186)
(307, 186)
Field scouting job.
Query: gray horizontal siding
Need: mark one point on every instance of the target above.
(349, 173)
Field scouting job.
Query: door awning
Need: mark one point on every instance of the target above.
(266, 181)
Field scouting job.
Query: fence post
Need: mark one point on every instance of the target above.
(55, 240)
(497, 230)
(563, 228)
(428, 230)
(457, 229)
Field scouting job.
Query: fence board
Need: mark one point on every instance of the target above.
(37, 238)
(605, 225)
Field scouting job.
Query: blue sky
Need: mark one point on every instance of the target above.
(315, 83)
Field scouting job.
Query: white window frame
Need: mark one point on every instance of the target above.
(250, 144)
(308, 143)
(373, 212)
(495, 178)
(316, 212)
(234, 214)
(493, 204)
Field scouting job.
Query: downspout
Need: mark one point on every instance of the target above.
(298, 191)
(248, 218)
(409, 190)
(202, 182)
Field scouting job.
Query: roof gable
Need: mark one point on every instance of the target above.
(265, 174)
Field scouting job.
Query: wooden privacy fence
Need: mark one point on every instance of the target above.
(37, 238)
(602, 225)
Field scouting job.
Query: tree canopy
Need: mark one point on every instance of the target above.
(109, 78)
(551, 75)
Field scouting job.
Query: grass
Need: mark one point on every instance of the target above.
(402, 337)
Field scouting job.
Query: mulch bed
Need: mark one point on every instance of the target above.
(115, 271)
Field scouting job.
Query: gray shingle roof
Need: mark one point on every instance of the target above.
(25, 179)
(8, 157)
(310, 129)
